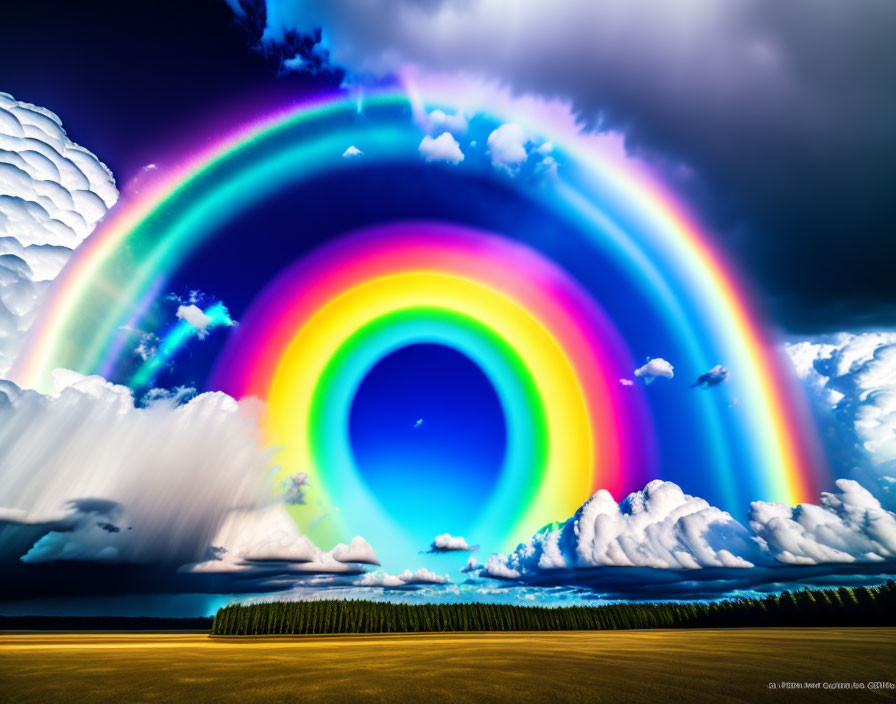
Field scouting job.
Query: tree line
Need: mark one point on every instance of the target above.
(862, 606)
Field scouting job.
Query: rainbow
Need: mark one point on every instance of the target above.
(548, 349)
(551, 354)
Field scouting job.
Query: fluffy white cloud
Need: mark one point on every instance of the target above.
(659, 527)
(165, 476)
(499, 567)
(662, 528)
(358, 551)
(626, 382)
(849, 526)
(52, 194)
(405, 579)
(656, 367)
(194, 316)
(507, 147)
(352, 152)
(265, 540)
(448, 543)
(442, 148)
(853, 381)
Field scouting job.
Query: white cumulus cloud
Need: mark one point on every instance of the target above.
(659, 527)
(194, 316)
(448, 543)
(852, 378)
(52, 194)
(654, 369)
(359, 550)
(407, 578)
(507, 147)
(662, 528)
(849, 526)
(442, 148)
(265, 540)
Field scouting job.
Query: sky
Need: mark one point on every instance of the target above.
(773, 128)
(791, 147)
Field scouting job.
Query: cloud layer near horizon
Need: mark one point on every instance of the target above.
(674, 539)
(170, 474)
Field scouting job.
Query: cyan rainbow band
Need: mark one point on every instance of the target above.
(627, 215)
(551, 354)
(176, 338)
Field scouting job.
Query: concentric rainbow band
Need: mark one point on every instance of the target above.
(551, 354)
(623, 211)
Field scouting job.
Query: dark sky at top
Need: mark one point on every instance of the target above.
(812, 227)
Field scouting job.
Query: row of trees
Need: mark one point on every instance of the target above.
(875, 606)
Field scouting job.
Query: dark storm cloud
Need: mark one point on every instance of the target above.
(785, 110)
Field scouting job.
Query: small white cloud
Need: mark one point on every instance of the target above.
(352, 152)
(449, 543)
(194, 316)
(442, 148)
(626, 382)
(656, 367)
(358, 551)
(507, 147)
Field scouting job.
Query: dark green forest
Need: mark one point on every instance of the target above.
(862, 606)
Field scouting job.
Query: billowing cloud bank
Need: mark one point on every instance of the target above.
(168, 497)
(852, 378)
(164, 476)
(665, 540)
(52, 194)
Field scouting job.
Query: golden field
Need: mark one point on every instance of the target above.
(706, 665)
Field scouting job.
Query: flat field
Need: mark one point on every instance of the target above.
(732, 665)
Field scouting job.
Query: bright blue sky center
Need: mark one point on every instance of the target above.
(428, 435)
